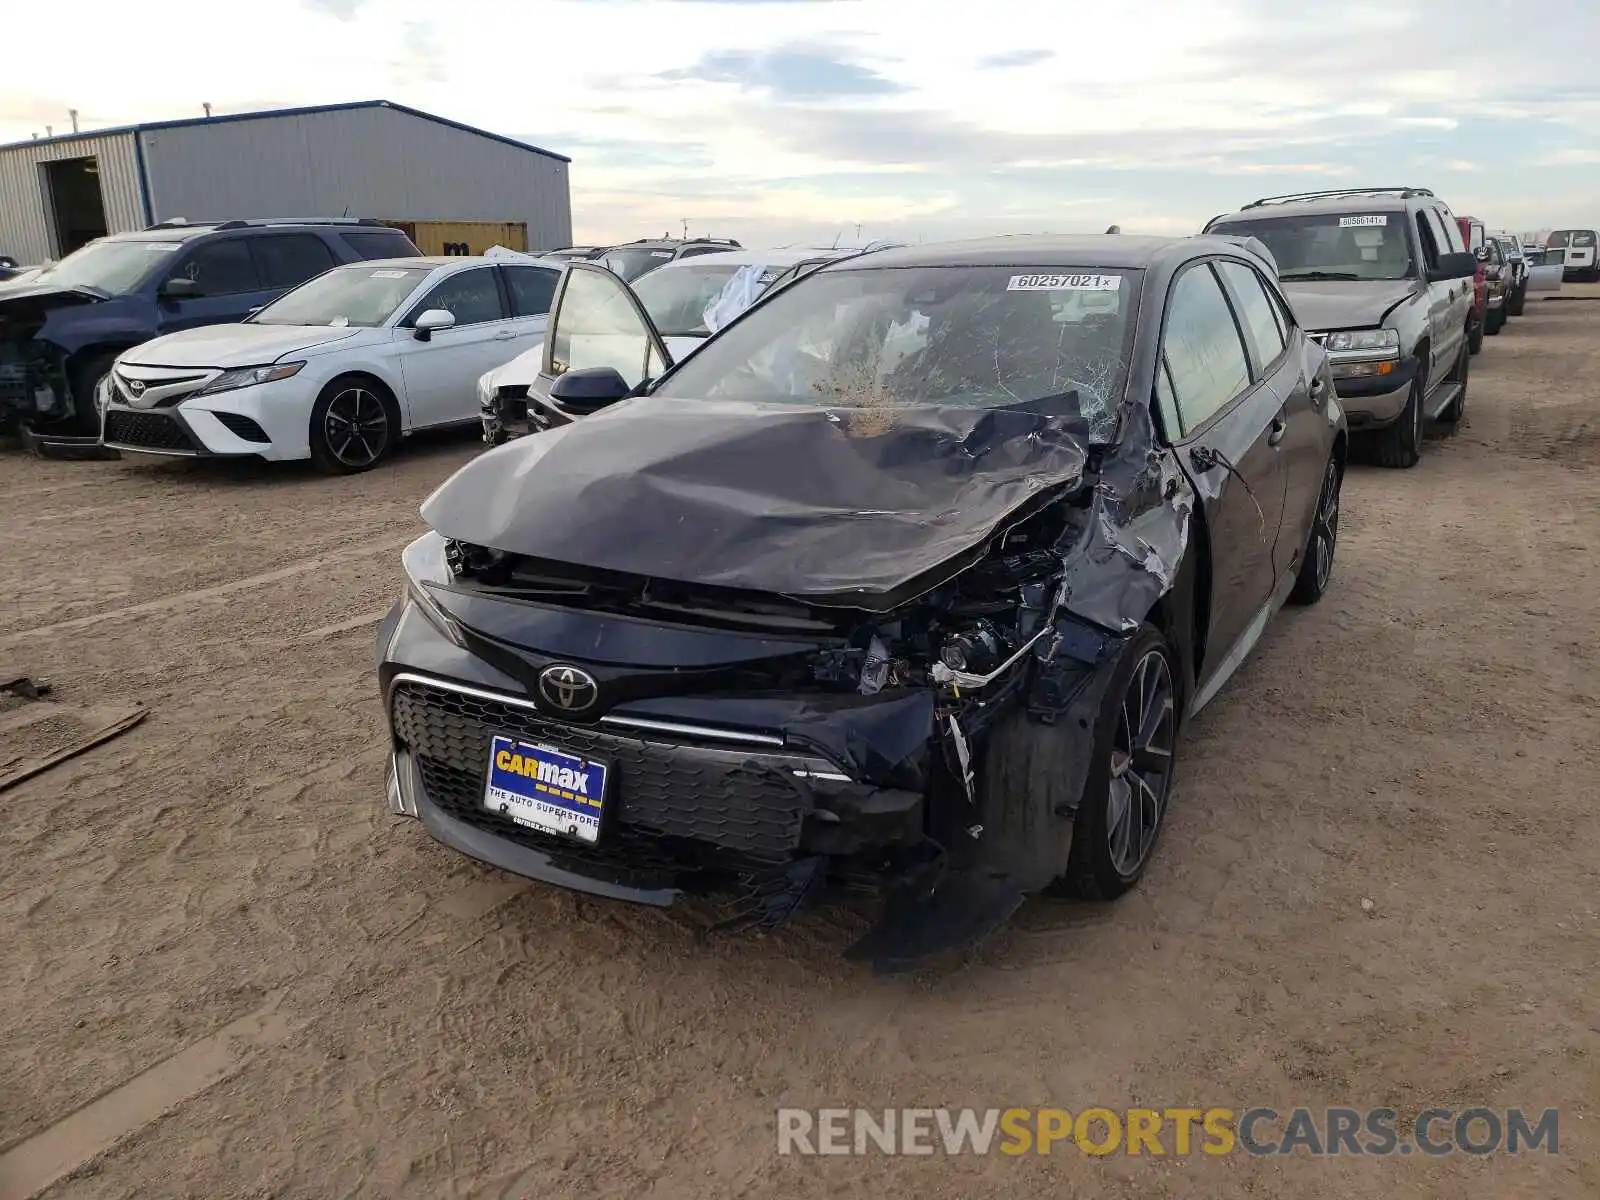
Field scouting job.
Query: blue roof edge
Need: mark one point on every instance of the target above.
(305, 110)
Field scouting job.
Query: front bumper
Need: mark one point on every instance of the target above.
(692, 805)
(1371, 402)
(269, 421)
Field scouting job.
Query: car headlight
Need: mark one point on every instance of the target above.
(424, 564)
(250, 376)
(1363, 339)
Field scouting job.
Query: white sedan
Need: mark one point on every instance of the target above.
(337, 370)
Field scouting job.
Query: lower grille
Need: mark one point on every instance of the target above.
(667, 803)
(242, 427)
(155, 431)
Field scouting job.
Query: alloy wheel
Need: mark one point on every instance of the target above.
(1325, 532)
(1141, 762)
(356, 427)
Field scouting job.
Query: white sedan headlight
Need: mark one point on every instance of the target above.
(1363, 339)
(250, 376)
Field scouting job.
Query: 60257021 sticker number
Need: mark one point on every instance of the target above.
(1064, 283)
(1363, 222)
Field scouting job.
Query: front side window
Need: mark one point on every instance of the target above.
(1330, 246)
(597, 325)
(1204, 351)
(222, 268)
(896, 337)
(471, 297)
(1256, 310)
(363, 296)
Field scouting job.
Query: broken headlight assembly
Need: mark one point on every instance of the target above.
(1363, 353)
(426, 566)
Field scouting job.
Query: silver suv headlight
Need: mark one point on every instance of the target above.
(1346, 340)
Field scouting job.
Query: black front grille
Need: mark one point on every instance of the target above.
(242, 427)
(155, 431)
(685, 804)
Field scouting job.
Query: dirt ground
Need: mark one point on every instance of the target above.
(226, 972)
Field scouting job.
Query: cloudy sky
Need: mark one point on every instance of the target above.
(781, 120)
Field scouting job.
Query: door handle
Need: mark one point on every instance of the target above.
(1279, 428)
(505, 335)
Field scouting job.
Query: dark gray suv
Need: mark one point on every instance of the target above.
(1381, 277)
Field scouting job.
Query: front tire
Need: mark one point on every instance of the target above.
(1475, 338)
(83, 379)
(1518, 301)
(1124, 802)
(355, 424)
(1494, 322)
(1400, 445)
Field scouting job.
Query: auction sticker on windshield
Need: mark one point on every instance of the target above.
(1363, 222)
(1064, 283)
(388, 275)
(541, 788)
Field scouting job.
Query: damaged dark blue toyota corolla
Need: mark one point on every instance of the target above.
(909, 579)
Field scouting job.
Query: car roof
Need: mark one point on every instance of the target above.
(1371, 202)
(1114, 250)
(181, 233)
(421, 262)
(748, 258)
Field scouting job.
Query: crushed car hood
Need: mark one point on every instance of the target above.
(860, 507)
(27, 302)
(234, 345)
(1346, 304)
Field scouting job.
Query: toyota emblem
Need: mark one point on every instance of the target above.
(568, 688)
(136, 387)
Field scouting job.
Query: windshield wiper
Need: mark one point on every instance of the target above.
(1340, 276)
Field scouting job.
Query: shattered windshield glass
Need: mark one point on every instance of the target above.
(980, 337)
(110, 266)
(1331, 246)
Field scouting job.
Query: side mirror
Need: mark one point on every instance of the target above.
(180, 288)
(589, 389)
(1462, 265)
(431, 320)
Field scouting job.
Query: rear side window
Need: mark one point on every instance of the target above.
(380, 243)
(1453, 242)
(290, 258)
(222, 268)
(1204, 351)
(532, 289)
(1256, 309)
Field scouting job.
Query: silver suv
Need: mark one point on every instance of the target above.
(1384, 281)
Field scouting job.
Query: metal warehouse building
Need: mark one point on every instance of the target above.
(368, 159)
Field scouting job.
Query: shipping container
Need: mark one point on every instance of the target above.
(464, 237)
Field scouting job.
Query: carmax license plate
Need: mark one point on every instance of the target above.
(544, 789)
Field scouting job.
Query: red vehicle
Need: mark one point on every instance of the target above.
(1475, 236)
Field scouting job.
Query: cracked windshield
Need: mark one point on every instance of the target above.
(896, 337)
